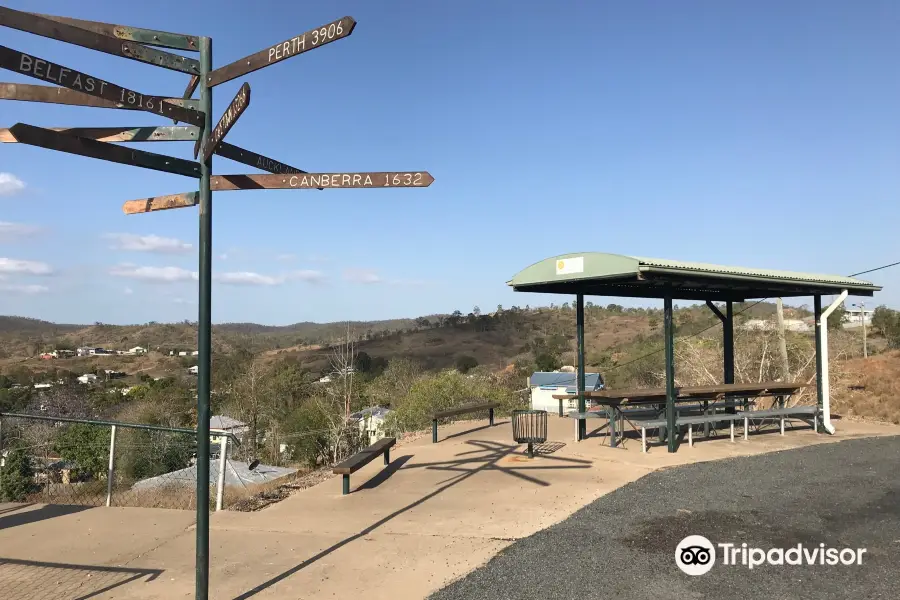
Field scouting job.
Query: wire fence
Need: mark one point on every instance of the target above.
(56, 460)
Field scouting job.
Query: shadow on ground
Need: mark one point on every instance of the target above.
(33, 580)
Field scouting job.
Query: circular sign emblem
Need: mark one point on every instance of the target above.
(695, 555)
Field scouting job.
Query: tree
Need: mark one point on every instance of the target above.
(547, 361)
(887, 322)
(85, 445)
(465, 363)
(837, 318)
(16, 476)
(363, 362)
(476, 311)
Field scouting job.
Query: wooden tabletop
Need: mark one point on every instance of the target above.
(697, 392)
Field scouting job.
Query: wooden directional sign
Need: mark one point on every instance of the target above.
(63, 142)
(223, 183)
(299, 44)
(64, 32)
(238, 154)
(54, 95)
(185, 200)
(32, 66)
(234, 111)
(181, 133)
(189, 90)
(150, 37)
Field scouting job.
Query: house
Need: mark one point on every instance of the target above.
(111, 374)
(856, 317)
(324, 379)
(195, 370)
(371, 422)
(87, 378)
(182, 353)
(195, 353)
(49, 355)
(137, 350)
(222, 423)
(544, 385)
(65, 353)
(42, 386)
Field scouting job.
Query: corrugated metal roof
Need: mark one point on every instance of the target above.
(236, 473)
(554, 379)
(763, 273)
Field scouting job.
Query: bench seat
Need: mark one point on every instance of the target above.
(362, 458)
(461, 410)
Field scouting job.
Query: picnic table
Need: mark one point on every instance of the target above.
(705, 398)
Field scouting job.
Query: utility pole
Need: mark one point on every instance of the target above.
(862, 317)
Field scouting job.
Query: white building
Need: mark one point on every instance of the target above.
(195, 370)
(857, 316)
(371, 422)
(137, 350)
(544, 385)
(87, 378)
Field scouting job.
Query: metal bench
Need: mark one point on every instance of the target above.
(746, 416)
(362, 458)
(461, 410)
(591, 414)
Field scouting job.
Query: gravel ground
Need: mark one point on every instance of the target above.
(622, 546)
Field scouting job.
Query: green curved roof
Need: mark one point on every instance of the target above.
(604, 274)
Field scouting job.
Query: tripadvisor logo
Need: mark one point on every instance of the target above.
(696, 555)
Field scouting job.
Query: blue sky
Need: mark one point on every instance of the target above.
(763, 134)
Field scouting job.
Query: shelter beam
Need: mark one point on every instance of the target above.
(820, 388)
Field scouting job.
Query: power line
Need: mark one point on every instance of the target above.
(875, 269)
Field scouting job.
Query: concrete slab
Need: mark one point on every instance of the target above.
(438, 511)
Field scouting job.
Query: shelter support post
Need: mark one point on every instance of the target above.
(669, 332)
(820, 392)
(579, 326)
(824, 387)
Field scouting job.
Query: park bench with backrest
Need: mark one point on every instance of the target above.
(362, 458)
(462, 410)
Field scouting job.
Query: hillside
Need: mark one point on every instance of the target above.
(437, 341)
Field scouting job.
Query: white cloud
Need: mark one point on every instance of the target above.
(10, 184)
(183, 301)
(286, 257)
(307, 275)
(19, 288)
(10, 231)
(223, 257)
(362, 276)
(128, 291)
(153, 274)
(248, 278)
(28, 267)
(147, 243)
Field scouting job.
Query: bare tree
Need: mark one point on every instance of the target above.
(336, 401)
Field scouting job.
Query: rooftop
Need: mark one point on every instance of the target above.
(604, 274)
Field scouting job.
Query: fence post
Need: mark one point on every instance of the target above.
(2, 464)
(220, 485)
(110, 474)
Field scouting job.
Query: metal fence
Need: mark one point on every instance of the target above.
(60, 460)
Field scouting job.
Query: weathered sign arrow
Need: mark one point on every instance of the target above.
(63, 142)
(28, 92)
(223, 183)
(299, 44)
(189, 91)
(32, 66)
(238, 154)
(238, 105)
(185, 200)
(64, 32)
(150, 37)
(182, 133)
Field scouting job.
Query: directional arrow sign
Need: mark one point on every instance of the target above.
(55, 95)
(299, 44)
(64, 32)
(121, 134)
(32, 66)
(133, 207)
(222, 183)
(53, 140)
(238, 154)
(237, 107)
(151, 37)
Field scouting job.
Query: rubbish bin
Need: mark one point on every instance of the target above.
(529, 427)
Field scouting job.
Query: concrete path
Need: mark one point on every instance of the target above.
(438, 512)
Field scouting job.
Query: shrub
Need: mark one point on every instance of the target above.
(16, 476)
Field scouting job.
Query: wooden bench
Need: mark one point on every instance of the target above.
(461, 410)
(362, 458)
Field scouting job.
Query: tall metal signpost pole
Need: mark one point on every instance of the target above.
(81, 89)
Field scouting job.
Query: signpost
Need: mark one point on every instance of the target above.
(234, 111)
(77, 88)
